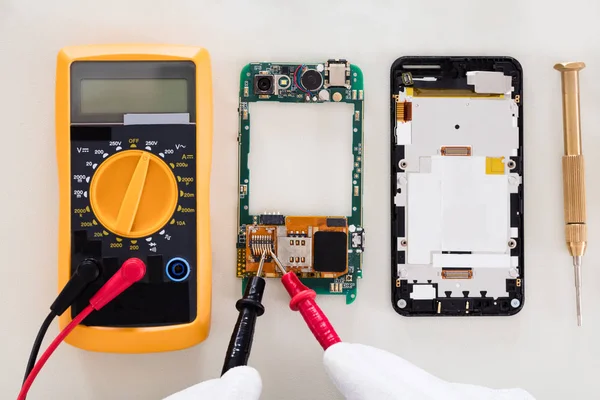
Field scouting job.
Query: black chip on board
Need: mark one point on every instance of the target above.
(330, 251)
(272, 219)
(336, 222)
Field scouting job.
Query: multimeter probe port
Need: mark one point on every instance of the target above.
(177, 269)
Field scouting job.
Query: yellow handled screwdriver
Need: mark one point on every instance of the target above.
(573, 172)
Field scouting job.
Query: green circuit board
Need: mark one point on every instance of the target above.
(312, 246)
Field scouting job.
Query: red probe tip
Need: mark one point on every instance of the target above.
(130, 272)
(303, 300)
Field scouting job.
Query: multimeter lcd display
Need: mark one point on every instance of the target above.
(112, 96)
(102, 92)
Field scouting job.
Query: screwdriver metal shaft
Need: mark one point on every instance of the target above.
(573, 172)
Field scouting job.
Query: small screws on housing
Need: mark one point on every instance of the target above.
(402, 164)
(511, 164)
(515, 303)
(403, 243)
(402, 303)
(512, 243)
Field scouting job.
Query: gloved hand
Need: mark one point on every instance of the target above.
(240, 383)
(365, 373)
(360, 373)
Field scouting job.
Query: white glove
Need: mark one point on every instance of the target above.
(240, 383)
(365, 373)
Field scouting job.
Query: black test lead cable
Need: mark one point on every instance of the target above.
(87, 272)
(35, 350)
(250, 308)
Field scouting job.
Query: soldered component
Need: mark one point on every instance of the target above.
(456, 151)
(272, 219)
(336, 287)
(324, 95)
(407, 78)
(403, 111)
(354, 95)
(295, 251)
(358, 240)
(457, 273)
(264, 84)
(337, 222)
(244, 110)
(311, 79)
(331, 252)
(283, 81)
(260, 243)
(357, 115)
(337, 73)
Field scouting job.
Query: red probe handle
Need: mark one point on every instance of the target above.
(130, 272)
(303, 300)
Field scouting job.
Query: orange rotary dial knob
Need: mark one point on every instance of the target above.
(133, 193)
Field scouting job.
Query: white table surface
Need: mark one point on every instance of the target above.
(540, 349)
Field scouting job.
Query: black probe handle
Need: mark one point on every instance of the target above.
(250, 307)
(87, 272)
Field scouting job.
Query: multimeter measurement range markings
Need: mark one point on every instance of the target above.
(179, 162)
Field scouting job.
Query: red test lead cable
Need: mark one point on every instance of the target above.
(303, 300)
(130, 272)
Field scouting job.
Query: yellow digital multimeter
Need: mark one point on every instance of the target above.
(134, 137)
